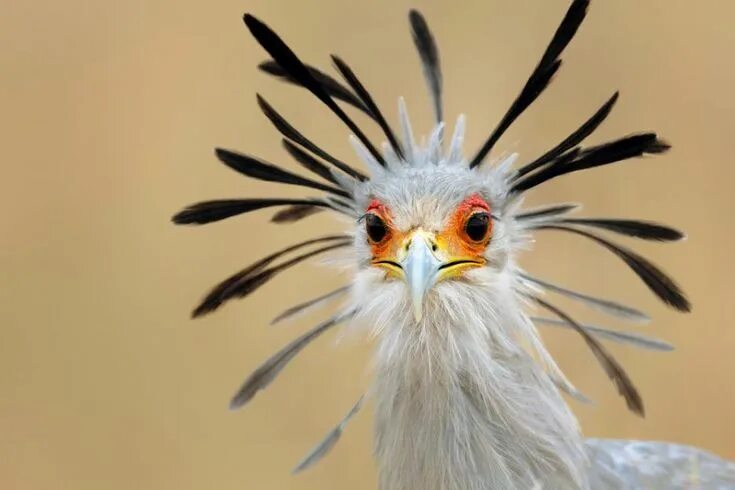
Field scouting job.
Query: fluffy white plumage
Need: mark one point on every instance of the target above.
(460, 404)
(467, 398)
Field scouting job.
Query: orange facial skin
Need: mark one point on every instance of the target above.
(393, 237)
(452, 244)
(384, 251)
(454, 235)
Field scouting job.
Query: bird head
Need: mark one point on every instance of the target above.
(427, 227)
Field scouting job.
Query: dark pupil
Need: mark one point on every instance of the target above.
(375, 227)
(476, 227)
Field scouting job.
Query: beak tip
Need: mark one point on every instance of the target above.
(418, 312)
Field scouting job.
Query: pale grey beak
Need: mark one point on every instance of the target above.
(421, 269)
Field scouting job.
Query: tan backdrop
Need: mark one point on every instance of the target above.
(110, 112)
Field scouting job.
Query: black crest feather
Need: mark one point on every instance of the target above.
(219, 209)
(600, 304)
(287, 59)
(613, 369)
(332, 86)
(572, 140)
(269, 370)
(547, 211)
(541, 76)
(621, 337)
(429, 54)
(258, 169)
(632, 146)
(645, 230)
(308, 162)
(657, 281)
(296, 309)
(367, 99)
(294, 213)
(293, 134)
(326, 444)
(255, 275)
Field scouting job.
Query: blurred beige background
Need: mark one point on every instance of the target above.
(110, 112)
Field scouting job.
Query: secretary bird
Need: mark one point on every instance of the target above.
(466, 395)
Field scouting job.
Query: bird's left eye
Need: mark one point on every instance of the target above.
(477, 226)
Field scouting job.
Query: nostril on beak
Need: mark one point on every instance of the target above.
(433, 246)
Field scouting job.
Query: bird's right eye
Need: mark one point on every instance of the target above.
(477, 226)
(375, 228)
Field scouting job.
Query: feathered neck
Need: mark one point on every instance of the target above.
(459, 405)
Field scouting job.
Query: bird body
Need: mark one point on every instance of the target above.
(466, 395)
(459, 404)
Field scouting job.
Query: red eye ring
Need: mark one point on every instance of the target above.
(473, 202)
(473, 221)
(375, 205)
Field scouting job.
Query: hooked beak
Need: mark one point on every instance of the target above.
(420, 269)
(425, 263)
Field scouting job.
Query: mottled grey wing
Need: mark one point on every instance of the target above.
(623, 464)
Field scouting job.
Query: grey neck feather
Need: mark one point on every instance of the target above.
(453, 413)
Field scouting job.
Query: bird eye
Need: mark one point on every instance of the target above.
(477, 226)
(375, 227)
